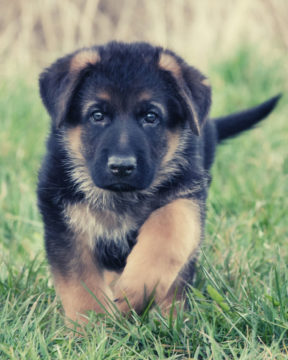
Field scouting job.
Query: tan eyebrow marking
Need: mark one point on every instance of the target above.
(160, 106)
(145, 95)
(101, 95)
(86, 106)
(148, 96)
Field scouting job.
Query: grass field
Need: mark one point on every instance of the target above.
(240, 297)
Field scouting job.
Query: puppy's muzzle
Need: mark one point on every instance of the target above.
(122, 166)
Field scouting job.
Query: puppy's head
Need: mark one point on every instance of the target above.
(122, 109)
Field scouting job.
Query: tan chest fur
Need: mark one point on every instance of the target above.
(93, 224)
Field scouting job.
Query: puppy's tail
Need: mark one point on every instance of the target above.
(233, 124)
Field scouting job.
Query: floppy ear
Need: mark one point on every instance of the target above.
(58, 82)
(192, 86)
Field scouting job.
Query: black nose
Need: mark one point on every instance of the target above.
(121, 166)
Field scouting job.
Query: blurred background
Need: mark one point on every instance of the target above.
(35, 32)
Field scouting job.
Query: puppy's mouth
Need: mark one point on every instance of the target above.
(121, 187)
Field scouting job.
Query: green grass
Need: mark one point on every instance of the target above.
(240, 297)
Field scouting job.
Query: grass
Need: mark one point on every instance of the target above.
(239, 302)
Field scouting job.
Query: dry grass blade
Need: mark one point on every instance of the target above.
(33, 31)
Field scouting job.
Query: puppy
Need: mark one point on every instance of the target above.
(123, 185)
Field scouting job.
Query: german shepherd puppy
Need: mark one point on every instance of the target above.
(123, 186)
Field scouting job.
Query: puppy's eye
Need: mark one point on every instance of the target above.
(151, 118)
(97, 116)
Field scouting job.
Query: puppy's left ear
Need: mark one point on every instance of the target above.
(193, 88)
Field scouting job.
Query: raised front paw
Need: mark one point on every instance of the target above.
(135, 291)
(166, 241)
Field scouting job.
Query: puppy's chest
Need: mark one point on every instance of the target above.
(97, 225)
(110, 236)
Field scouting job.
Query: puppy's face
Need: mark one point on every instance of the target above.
(125, 125)
(129, 104)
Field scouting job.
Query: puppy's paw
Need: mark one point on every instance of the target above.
(136, 291)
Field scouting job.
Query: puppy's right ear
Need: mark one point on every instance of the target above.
(58, 82)
(193, 88)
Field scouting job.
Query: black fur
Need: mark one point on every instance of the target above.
(232, 125)
(141, 183)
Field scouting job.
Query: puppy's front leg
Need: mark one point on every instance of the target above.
(83, 287)
(165, 243)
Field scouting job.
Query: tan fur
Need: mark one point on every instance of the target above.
(160, 106)
(78, 62)
(169, 63)
(206, 82)
(76, 162)
(167, 240)
(110, 278)
(195, 124)
(174, 165)
(101, 95)
(93, 223)
(80, 174)
(75, 298)
(145, 95)
(78, 168)
(148, 96)
(83, 58)
(173, 142)
(74, 139)
(175, 298)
